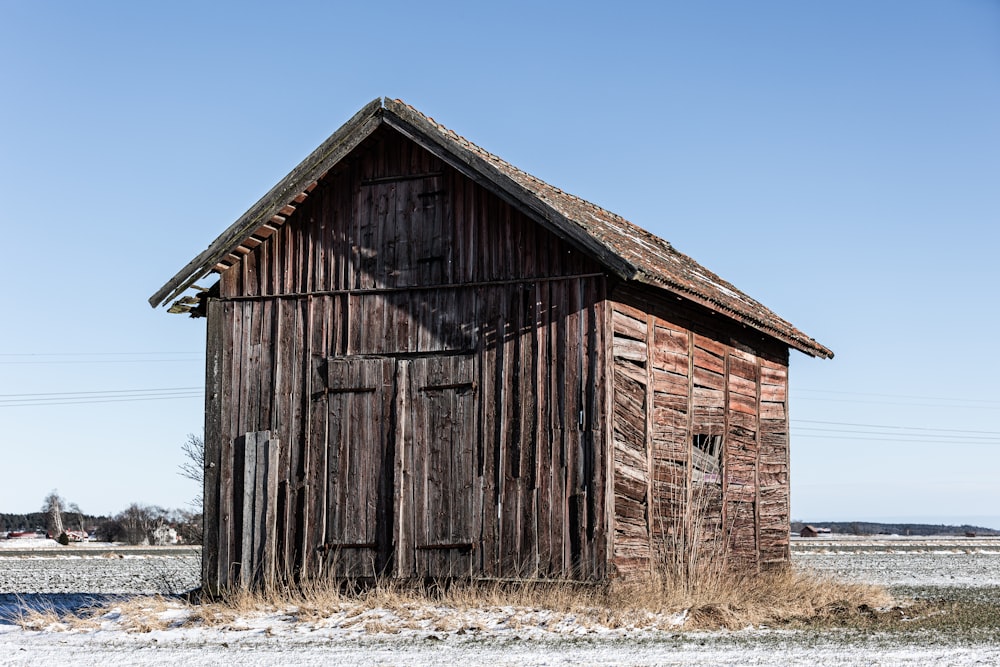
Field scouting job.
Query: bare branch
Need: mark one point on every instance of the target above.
(194, 450)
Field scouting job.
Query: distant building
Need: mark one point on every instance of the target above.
(164, 535)
(813, 531)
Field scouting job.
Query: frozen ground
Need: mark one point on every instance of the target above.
(68, 578)
(98, 568)
(902, 561)
(235, 648)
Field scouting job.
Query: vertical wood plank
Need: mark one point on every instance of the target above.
(248, 561)
(405, 554)
(756, 471)
(596, 520)
(270, 514)
(215, 373)
(543, 440)
(650, 401)
(611, 522)
(231, 394)
(491, 356)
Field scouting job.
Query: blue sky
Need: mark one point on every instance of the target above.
(837, 161)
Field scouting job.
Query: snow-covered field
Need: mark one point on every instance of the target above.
(901, 561)
(67, 577)
(97, 568)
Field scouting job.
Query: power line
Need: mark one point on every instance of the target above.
(84, 401)
(869, 435)
(883, 395)
(908, 428)
(99, 361)
(89, 354)
(904, 404)
(905, 440)
(945, 436)
(105, 391)
(62, 362)
(104, 396)
(65, 358)
(848, 431)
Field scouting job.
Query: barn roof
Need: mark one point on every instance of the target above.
(627, 250)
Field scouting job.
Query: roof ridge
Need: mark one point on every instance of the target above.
(496, 158)
(625, 249)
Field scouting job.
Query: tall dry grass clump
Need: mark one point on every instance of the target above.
(697, 573)
(711, 597)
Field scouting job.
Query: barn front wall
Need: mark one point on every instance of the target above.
(412, 377)
(429, 365)
(700, 437)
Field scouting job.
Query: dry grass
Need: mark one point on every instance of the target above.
(715, 599)
(699, 575)
(53, 620)
(719, 599)
(783, 597)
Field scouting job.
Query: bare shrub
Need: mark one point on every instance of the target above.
(193, 467)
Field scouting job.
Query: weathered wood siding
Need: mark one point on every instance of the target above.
(454, 391)
(632, 512)
(432, 363)
(680, 373)
(773, 465)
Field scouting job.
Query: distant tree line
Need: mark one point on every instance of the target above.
(137, 524)
(134, 525)
(40, 521)
(871, 528)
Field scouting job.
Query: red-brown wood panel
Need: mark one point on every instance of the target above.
(394, 254)
(359, 473)
(439, 466)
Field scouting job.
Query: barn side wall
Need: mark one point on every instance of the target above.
(679, 373)
(397, 258)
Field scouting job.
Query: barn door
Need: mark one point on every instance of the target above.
(437, 435)
(359, 467)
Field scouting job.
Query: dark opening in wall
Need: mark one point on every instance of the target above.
(706, 458)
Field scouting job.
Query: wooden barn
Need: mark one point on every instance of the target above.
(423, 362)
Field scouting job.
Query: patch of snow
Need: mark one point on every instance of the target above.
(438, 635)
